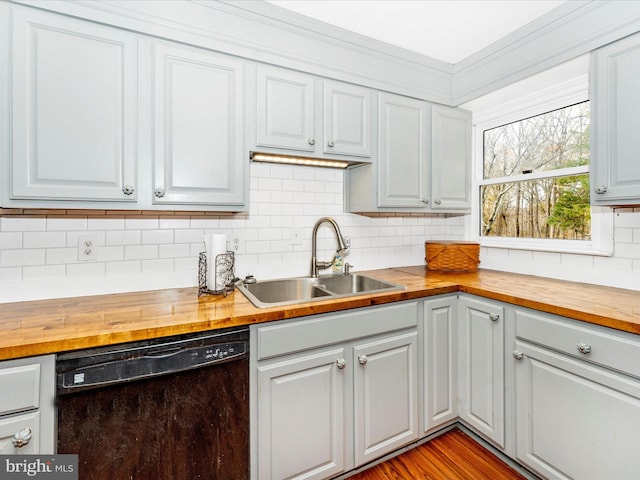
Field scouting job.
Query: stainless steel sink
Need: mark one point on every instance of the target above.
(289, 291)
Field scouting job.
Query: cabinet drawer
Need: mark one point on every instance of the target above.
(322, 330)
(616, 350)
(20, 387)
(10, 426)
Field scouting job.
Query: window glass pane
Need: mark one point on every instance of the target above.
(551, 208)
(553, 140)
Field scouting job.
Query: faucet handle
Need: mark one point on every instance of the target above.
(347, 267)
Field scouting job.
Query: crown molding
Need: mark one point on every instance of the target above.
(263, 32)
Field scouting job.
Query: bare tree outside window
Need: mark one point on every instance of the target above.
(531, 187)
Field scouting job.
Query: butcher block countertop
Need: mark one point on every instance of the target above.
(52, 326)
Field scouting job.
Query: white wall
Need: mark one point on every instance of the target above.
(39, 254)
(622, 269)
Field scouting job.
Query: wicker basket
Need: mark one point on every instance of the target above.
(452, 256)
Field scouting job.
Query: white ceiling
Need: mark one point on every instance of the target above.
(448, 30)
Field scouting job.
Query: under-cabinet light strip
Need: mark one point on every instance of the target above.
(292, 160)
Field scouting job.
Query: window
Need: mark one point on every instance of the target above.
(536, 177)
(531, 163)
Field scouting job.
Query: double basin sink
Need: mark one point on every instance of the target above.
(289, 291)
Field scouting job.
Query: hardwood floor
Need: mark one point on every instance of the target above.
(451, 456)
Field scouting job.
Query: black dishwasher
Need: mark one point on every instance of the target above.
(175, 408)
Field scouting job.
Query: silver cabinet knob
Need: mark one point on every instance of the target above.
(22, 438)
(362, 359)
(601, 190)
(584, 348)
(311, 141)
(159, 192)
(437, 202)
(330, 144)
(340, 363)
(128, 189)
(425, 201)
(518, 355)
(494, 317)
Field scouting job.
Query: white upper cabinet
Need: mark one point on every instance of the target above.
(403, 153)
(451, 158)
(285, 110)
(312, 116)
(198, 118)
(73, 110)
(347, 119)
(423, 161)
(615, 158)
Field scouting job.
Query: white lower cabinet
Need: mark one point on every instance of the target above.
(334, 391)
(440, 372)
(574, 420)
(385, 394)
(27, 406)
(577, 398)
(481, 364)
(301, 415)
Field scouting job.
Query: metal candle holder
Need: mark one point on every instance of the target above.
(224, 266)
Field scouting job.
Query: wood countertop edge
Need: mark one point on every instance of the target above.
(175, 317)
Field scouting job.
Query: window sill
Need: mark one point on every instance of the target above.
(574, 248)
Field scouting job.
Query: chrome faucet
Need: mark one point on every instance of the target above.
(342, 245)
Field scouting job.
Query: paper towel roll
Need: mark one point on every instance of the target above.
(215, 245)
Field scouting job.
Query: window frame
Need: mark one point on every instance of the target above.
(535, 103)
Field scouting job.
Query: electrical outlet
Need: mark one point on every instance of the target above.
(88, 248)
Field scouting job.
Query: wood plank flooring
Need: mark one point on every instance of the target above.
(451, 456)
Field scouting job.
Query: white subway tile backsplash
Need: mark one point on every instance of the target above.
(35, 248)
(22, 257)
(174, 250)
(157, 237)
(22, 224)
(44, 239)
(10, 240)
(123, 237)
(44, 271)
(140, 252)
(86, 269)
(67, 224)
(61, 256)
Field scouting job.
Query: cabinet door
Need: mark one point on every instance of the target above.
(575, 420)
(481, 357)
(73, 99)
(198, 103)
(440, 362)
(385, 395)
(347, 119)
(615, 158)
(301, 415)
(450, 158)
(403, 152)
(11, 426)
(285, 110)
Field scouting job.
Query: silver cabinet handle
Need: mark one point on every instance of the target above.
(601, 190)
(22, 438)
(518, 355)
(362, 359)
(584, 348)
(437, 202)
(128, 189)
(330, 144)
(494, 317)
(340, 363)
(159, 192)
(311, 141)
